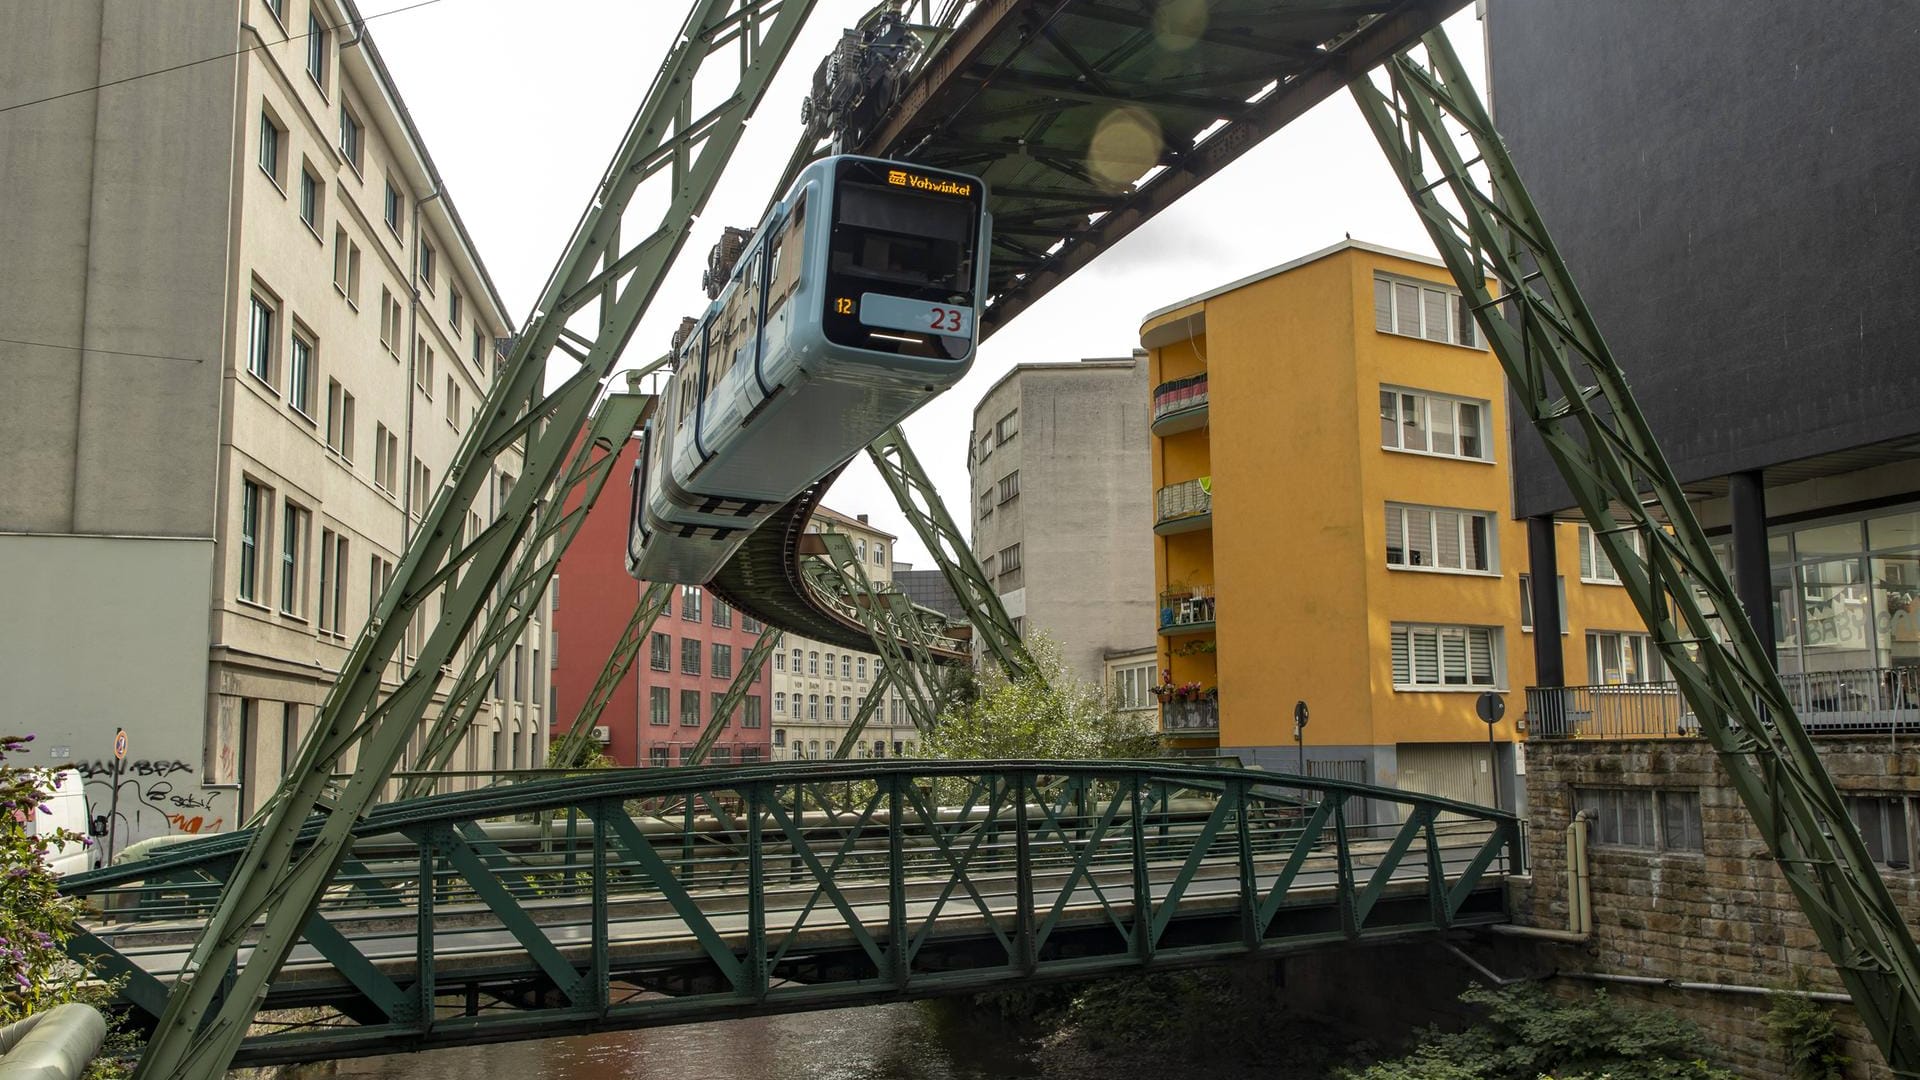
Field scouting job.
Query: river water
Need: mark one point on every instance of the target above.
(881, 1042)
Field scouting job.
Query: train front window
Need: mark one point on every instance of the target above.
(896, 238)
(902, 260)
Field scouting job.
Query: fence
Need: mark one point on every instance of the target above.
(1848, 701)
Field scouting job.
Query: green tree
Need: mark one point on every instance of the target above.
(1529, 1034)
(1046, 714)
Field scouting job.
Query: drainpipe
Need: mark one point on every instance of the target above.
(1579, 893)
(413, 366)
(1705, 987)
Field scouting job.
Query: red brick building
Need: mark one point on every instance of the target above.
(667, 699)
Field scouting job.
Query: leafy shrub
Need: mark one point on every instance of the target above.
(1528, 1034)
(1804, 1031)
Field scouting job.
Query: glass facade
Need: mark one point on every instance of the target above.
(1847, 593)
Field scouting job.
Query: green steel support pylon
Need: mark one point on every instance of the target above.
(538, 559)
(868, 706)
(899, 635)
(278, 881)
(1485, 226)
(729, 703)
(924, 511)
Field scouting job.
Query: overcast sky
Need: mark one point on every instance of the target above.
(522, 105)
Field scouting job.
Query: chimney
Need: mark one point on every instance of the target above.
(863, 519)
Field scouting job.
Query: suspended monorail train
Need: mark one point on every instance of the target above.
(854, 303)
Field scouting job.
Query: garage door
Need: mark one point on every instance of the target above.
(1452, 770)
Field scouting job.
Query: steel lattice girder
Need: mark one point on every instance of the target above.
(1480, 217)
(539, 558)
(281, 879)
(931, 878)
(729, 703)
(868, 706)
(898, 629)
(921, 505)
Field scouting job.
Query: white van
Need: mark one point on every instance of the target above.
(68, 804)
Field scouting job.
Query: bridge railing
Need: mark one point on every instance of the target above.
(794, 885)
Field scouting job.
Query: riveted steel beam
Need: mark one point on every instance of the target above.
(1443, 147)
(279, 882)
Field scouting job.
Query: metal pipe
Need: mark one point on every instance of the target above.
(57, 1044)
(1706, 987)
(1482, 970)
(1579, 893)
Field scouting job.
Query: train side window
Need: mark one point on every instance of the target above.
(788, 247)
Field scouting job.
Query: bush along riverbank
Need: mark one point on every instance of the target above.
(1236, 1025)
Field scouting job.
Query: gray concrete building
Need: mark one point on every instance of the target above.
(1061, 487)
(242, 332)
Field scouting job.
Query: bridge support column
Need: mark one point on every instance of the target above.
(1752, 574)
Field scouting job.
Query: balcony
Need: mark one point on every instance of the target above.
(1184, 507)
(1180, 405)
(1183, 718)
(1186, 611)
(1850, 701)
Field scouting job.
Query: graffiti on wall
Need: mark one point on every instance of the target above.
(156, 796)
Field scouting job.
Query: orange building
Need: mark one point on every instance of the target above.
(1333, 528)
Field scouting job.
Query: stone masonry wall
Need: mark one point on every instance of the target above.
(1721, 915)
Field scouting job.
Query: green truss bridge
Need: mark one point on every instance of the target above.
(632, 898)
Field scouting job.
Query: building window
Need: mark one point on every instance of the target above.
(1009, 487)
(454, 304)
(660, 653)
(310, 199)
(779, 703)
(779, 736)
(846, 665)
(690, 603)
(1434, 538)
(1133, 685)
(1007, 428)
(395, 204)
(428, 259)
(1445, 656)
(846, 709)
(279, 10)
(813, 663)
(318, 38)
(1596, 566)
(1882, 821)
(722, 615)
(719, 700)
(657, 756)
(339, 420)
(300, 373)
(262, 317)
(861, 669)
(423, 362)
(722, 661)
(1425, 423)
(350, 137)
(689, 708)
(382, 464)
(796, 661)
(479, 349)
(689, 656)
(879, 553)
(422, 488)
(986, 446)
(831, 699)
(1614, 658)
(1526, 602)
(860, 550)
(1647, 818)
(1423, 310)
(779, 661)
(1009, 558)
(453, 403)
(273, 149)
(253, 499)
(379, 580)
(333, 581)
(293, 560)
(659, 706)
(986, 504)
(813, 706)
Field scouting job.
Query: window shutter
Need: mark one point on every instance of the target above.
(1396, 537)
(1453, 659)
(1480, 656)
(1478, 555)
(1470, 442)
(1426, 657)
(1402, 663)
(1406, 303)
(1586, 552)
(1446, 533)
(1441, 415)
(1382, 305)
(1389, 420)
(1436, 314)
(1419, 537)
(1463, 309)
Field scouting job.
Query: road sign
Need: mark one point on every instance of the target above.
(1491, 707)
(1300, 714)
(120, 744)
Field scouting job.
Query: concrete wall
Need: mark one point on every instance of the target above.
(1721, 915)
(103, 633)
(1732, 186)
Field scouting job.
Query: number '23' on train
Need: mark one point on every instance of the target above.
(855, 302)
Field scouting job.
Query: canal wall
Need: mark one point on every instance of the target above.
(1711, 906)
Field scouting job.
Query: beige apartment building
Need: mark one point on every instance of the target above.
(245, 331)
(1060, 481)
(817, 688)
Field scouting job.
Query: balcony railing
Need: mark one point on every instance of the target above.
(1855, 700)
(1184, 507)
(1186, 609)
(1190, 717)
(1180, 405)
